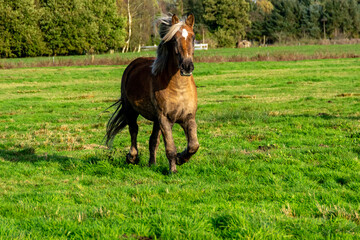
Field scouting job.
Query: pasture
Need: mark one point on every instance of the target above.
(278, 158)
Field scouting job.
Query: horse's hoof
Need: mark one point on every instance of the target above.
(172, 172)
(132, 159)
(180, 160)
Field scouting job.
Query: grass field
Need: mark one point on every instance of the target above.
(278, 158)
(271, 53)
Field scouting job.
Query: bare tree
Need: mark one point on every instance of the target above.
(140, 15)
(127, 43)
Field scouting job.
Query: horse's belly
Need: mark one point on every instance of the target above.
(137, 89)
(144, 108)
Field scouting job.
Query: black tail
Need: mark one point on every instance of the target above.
(116, 123)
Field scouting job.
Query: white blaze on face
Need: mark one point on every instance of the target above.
(185, 33)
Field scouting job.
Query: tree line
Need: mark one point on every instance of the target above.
(287, 20)
(69, 27)
(52, 27)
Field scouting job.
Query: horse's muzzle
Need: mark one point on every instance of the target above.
(185, 74)
(186, 67)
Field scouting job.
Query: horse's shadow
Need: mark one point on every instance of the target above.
(28, 155)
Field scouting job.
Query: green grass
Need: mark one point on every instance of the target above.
(278, 158)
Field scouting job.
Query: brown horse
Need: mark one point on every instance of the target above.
(162, 90)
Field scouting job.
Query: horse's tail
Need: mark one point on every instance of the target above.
(116, 123)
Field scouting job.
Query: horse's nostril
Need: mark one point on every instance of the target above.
(188, 67)
(191, 67)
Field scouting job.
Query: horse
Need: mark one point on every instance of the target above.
(162, 90)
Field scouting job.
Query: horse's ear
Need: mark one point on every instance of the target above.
(174, 19)
(190, 20)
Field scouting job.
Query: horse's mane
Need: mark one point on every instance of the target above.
(166, 32)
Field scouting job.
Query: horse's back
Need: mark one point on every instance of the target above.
(136, 86)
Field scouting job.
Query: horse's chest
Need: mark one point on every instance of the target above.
(177, 104)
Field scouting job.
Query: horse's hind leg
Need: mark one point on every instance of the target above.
(132, 156)
(154, 142)
(190, 129)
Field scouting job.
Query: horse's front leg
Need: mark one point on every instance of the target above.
(190, 129)
(170, 148)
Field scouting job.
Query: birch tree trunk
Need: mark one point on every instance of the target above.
(127, 43)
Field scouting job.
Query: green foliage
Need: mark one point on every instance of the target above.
(20, 35)
(278, 158)
(228, 19)
(310, 22)
(195, 7)
(284, 21)
(33, 28)
(48, 27)
(343, 18)
(75, 27)
(291, 19)
(279, 21)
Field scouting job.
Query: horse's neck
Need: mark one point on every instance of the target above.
(172, 66)
(174, 81)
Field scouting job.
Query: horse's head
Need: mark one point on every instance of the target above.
(184, 40)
